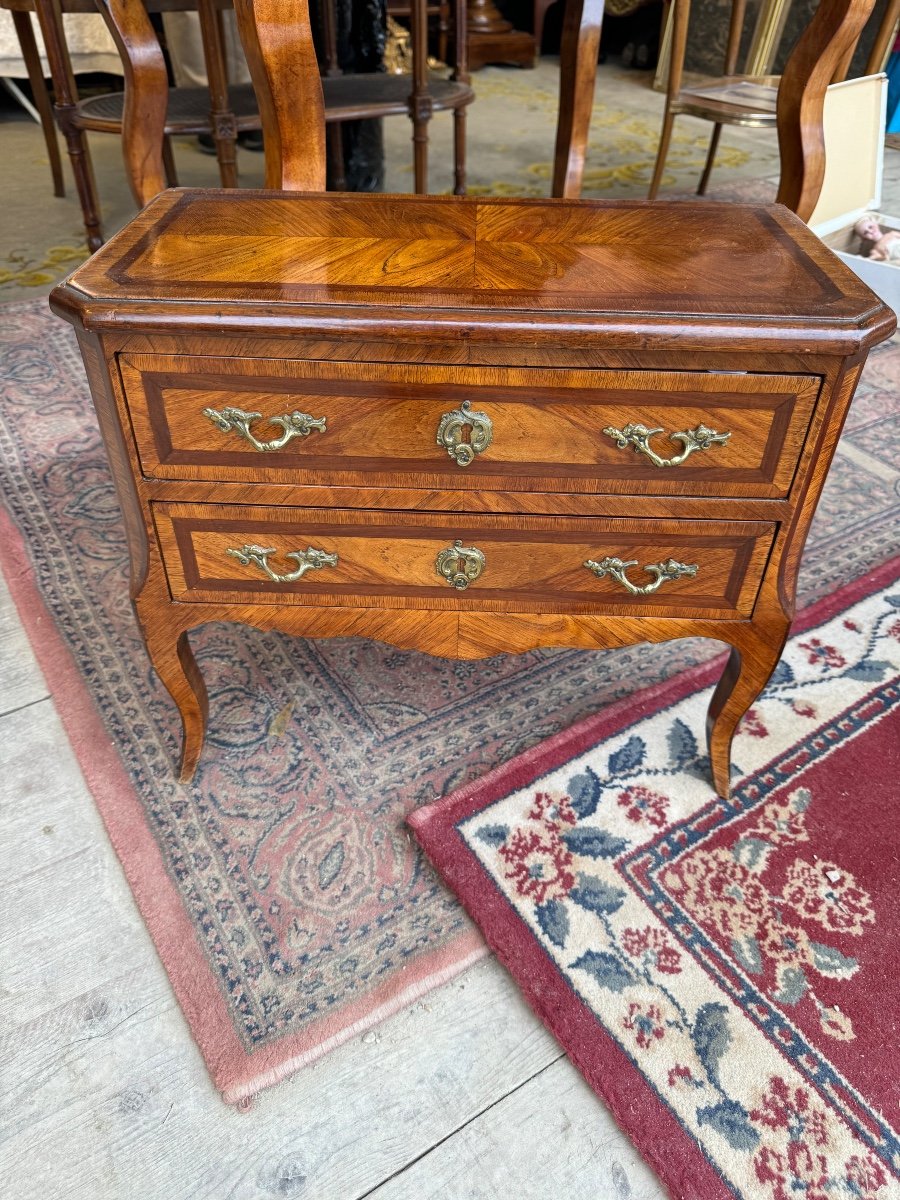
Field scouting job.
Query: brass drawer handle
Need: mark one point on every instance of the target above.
(639, 437)
(309, 560)
(450, 433)
(295, 424)
(670, 569)
(460, 565)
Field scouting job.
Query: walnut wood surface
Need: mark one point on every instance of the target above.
(554, 318)
(579, 50)
(282, 62)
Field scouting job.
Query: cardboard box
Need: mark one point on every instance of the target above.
(854, 125)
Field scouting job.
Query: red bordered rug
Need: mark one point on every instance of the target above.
(723, 973)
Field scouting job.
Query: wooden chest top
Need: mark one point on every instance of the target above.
(661, 273)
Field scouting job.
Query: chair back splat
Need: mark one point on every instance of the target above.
(278, 43)
(826, 42)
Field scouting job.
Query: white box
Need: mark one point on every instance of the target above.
(854, 124)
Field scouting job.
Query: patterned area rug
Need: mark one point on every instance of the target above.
(282, 889)
(722, 973)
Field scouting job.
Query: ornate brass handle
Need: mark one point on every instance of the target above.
(450, 433)
(309, 560)
(460, 565)
(639, 437)
(295, 424)
(670, 569)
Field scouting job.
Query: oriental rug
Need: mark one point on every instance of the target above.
(285, 897)
(723, 973)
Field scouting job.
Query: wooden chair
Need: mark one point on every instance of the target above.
(578, 53)
(21, 12)
(148, 112)
(148, 109)
(835, 30)
(277, 40)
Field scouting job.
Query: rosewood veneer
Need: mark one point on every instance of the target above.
(469, 427)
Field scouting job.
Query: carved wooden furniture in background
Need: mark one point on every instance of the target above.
(492, 39)
(21, 11)
(148, 112)
(821, 56)
(418, 95)
(469, 427)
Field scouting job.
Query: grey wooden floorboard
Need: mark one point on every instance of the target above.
(21, 681)
(549, 1138)
(104, 1095)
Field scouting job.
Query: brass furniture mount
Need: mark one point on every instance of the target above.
(639, 436)
(616, 568)
(460, 565)
(450, 433)
(295, 424)
(308, 560)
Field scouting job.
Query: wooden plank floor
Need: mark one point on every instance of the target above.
(103, 1095)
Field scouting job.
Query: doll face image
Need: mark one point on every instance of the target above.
(867, 228)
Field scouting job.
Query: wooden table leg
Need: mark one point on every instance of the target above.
(746, 674)
(577, 74)
(461, 75)
(421, 105)
(31, 57)
(173, 661)
(222, 119)
(65, 97)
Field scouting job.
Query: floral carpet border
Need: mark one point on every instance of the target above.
(663, 1140)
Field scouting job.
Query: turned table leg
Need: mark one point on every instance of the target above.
(746, 673)
(177, 668)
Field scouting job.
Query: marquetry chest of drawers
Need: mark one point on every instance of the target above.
(469, 426)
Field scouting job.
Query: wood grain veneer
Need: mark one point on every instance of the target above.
(547, 424)
(558, 320)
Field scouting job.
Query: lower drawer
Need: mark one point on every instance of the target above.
(227, 553)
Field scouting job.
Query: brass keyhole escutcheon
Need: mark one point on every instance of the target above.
(464, 433)
(460, 565)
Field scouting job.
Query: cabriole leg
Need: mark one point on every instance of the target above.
(746, 673)
(177, 668)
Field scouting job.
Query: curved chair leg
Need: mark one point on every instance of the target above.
(746, 674)
(710, 159)
(174, 663)
(665, 137)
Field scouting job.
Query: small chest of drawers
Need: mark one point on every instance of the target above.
(469, 427)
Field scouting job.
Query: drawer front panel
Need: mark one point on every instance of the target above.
(232, 554)
(651, 432)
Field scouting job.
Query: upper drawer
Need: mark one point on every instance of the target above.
(654, 432)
